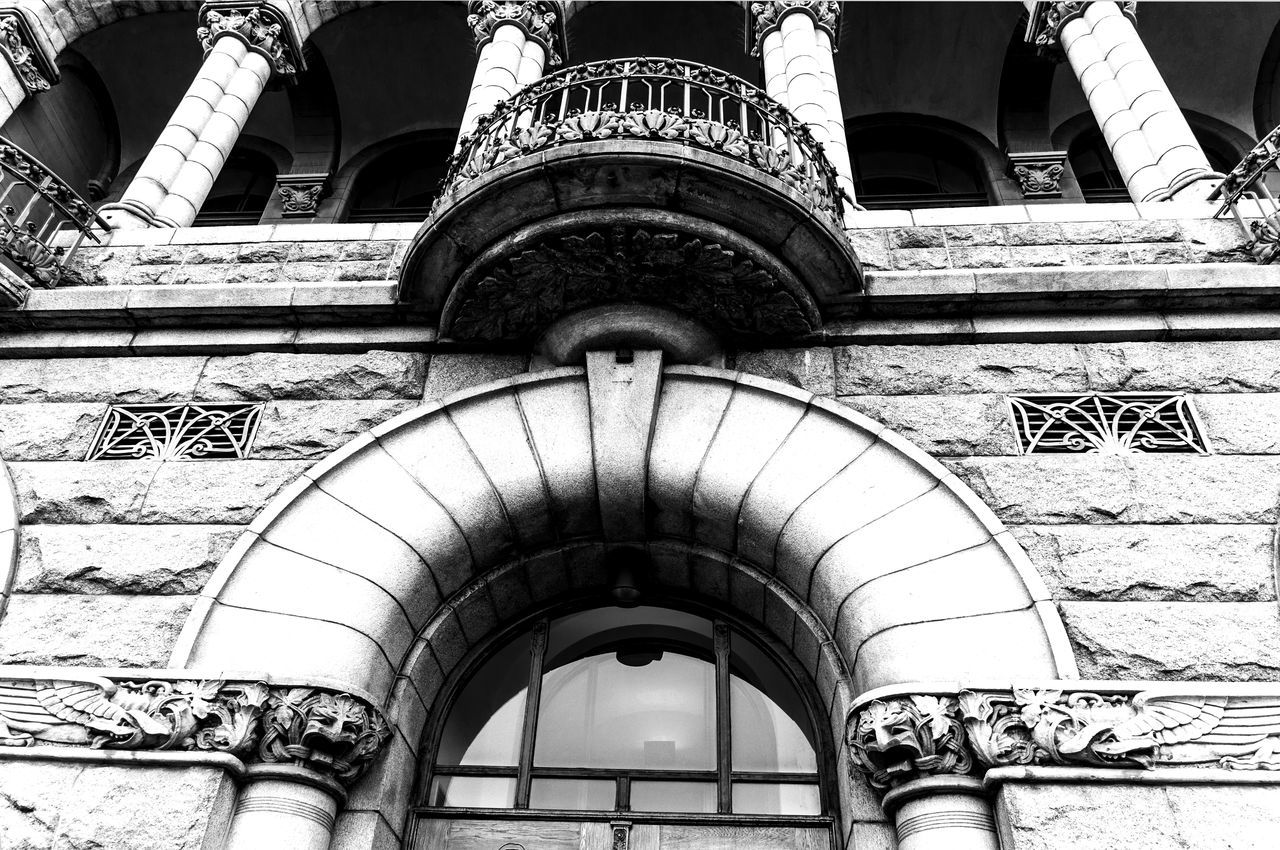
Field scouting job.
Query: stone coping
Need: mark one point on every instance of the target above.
(1050, 212)
(128, 758)
(1109, 686)
(998, 776)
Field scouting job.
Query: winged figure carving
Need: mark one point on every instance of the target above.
(1239, 732)
(79, 710)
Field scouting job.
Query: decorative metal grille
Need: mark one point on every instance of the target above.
(1118, 423)
(205, 431)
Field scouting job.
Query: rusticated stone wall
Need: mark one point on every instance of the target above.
(74, 806)
(1162, 565)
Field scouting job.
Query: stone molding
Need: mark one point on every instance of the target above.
(766, 18)
(301, 194)
(332, 733)
(538, 19)
(1038, 174)
(35, 69)
(896, 737)
(259, 25)
(1048, 17)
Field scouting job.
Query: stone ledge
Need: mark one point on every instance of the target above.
(998, 776)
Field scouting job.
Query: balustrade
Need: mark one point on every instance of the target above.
(1246, 186)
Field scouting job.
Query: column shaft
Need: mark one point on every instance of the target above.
(508, 61)
(942, 813)
(275, 813)
(799, 72)
(175, 178)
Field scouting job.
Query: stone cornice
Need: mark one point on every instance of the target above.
(1047, 18)
(905, 734)
(766, 17)
(539, 20)
(325, 730)
(35, 69)
(261, 27)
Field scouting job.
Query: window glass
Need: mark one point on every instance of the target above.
(487, 718)
(576, 794)
(647, 796)
(913, 167)
(473, 792)
(758, 798)
(771, 729)
(241, 192)
(401, 184)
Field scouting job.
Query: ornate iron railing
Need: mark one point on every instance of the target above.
(667, 100)
(1247, 182)
(35, 207)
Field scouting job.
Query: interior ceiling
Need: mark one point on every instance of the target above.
(712, 33)
(397, 68)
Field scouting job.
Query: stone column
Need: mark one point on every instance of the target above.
(942, 813)
(795, 40)
(515, 41)
(1149, 138)
(243, 48)
(282, 806)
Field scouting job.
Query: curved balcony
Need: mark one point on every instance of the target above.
(702, 195)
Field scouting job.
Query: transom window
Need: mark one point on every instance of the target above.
(241, 192)
(642, 709)
(913, 168)
(400, 184)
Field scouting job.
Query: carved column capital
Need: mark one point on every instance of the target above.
(301, 194)
(1038, 174)
(1048, 17)
(538, 19)
(334, 734)
(260, 26)
(35, 69)
(766, 17)
(897, 739)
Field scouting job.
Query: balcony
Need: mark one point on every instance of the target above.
(42, 223)
(701, 195)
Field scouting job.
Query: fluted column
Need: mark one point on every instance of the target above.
(795, 40)
(1149, 138)
(243, 48)
(515, 42)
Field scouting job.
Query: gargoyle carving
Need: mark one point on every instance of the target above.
(897, 740)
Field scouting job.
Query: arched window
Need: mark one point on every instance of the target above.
(913, 168)
(639, 709)
(1096, 172)
(241, 192)
(400, 185)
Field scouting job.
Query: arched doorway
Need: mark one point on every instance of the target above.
(395, 558)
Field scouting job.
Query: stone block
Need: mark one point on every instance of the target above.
(199, 274)
(1143, 230)
(1158, 488)
(1097, 816)
(302, 429)
(921, 258)
(48, 431)
(200, 254)
(1090, 232)
(872, 248)
(114, 379)
(92, 492)
(1166, 253)
(73, 806)
(215, 492)
(1099, 255)
(310, 272)
(1240, 423)
(1229, 641)
(120, 559)
(91, 631)
(917, 237)
(1037, 233)
(957, 369)
(449, 373)
(944, 425)
(1214, 241)
(255, 273)
(980, 257)
(161, 254)
(104, 266)
(811, 369)
(1156, 563)
(147, 275)
(376, 251)
(264, 252)
(1037, 256)
(1213, 367)
(372, 374)
(973, 234)
(363, 270)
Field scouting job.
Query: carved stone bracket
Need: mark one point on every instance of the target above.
(894, 740)
(332, 733)
(1048, 17)
(1038, 174)
(301, 194)
(537, 18)
(260, 26)
(36, 71)
(766, 17)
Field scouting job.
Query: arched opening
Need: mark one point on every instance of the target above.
(398, 559)
(914, 167)
(711, 33)
(242, 190)
(1096, 171)
(400, 184)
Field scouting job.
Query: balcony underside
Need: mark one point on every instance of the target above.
(646, 221)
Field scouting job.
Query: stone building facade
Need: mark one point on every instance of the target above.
(447, 425)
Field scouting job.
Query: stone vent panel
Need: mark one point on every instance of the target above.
(1115, 423)
(205, 431)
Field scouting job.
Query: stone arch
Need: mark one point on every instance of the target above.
(386, 563)
(8, 535)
